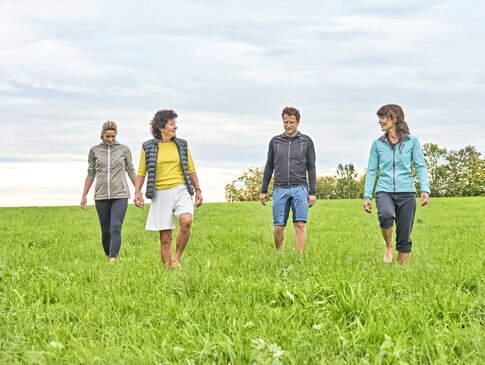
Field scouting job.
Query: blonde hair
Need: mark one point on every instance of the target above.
(109, 125)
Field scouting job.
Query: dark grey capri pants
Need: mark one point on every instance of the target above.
(401, 208)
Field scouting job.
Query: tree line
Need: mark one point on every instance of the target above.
(451, 173)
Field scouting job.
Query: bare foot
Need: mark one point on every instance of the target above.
(403, 258)
(388, 255)
(175, 264)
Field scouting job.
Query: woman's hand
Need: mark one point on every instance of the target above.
(139, 201)
(198, 198)
(424, 198)
(84, 201)
(368, 205)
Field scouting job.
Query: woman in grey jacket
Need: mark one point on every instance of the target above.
(109, 162)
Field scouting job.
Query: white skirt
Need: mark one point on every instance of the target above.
(167, 206)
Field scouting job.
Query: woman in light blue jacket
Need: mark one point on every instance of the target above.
(393, 155)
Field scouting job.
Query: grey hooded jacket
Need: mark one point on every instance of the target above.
(291, 158)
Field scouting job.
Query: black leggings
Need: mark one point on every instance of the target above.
(111, 213)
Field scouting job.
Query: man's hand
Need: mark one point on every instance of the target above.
(312, 199)
(368, 205)
(263, 198)
(424, 198)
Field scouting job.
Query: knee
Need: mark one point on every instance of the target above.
(116, 228)
(166, 237)
(279, 229)
(185, 223)
(300, 226)
(386, 219)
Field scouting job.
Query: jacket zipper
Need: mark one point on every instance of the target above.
(393, 165)
(394, 168)
(109, 171)
(289, 149)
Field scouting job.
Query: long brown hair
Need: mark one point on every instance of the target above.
(396, 113)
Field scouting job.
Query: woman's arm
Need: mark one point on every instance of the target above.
(84, 200)
(139, 201)
(89, 179)
(372, 167)
(198, 192)
(421, 172)
(130, 170)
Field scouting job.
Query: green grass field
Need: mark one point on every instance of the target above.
(236, 300)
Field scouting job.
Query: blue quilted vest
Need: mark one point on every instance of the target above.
(151, 154)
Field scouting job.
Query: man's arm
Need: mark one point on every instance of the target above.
(311, 168)
(268, 173)
(268, 169)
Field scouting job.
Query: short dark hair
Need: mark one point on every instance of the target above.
(160, 119)
(289, 110)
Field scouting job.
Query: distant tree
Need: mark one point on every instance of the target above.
(347, 185)
(361, 186)
(465, 172)
(247, 187)
(436, 161)
(326, 187)
(455, 173)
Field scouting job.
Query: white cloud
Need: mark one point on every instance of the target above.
(229, 67)
(6, 87)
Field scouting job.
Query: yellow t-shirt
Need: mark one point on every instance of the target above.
(169, 169)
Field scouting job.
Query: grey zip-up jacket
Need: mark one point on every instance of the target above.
(108, 165)
(291, 158)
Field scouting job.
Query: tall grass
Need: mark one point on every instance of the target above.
(236, 300)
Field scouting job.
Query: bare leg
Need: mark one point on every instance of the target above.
(387, 234)
(300, 236)
(182, 237)
(403, 258)
(166, 247)
(279, 236)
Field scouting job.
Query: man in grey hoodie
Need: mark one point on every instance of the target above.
(291, 156)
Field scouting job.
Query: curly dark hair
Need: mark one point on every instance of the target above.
(159, 120)
(291, 111)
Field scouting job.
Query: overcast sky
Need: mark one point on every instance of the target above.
(228, 68)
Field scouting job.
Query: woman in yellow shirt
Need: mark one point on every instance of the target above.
(172, 180)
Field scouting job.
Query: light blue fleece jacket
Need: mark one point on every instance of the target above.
(394, 165)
